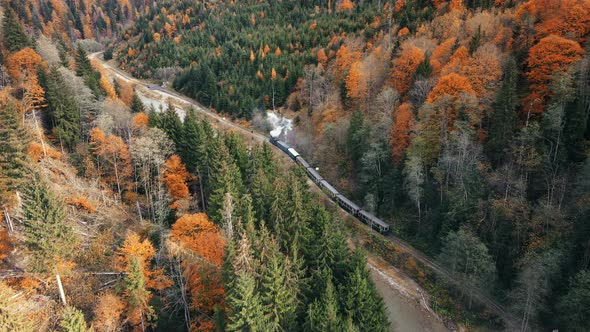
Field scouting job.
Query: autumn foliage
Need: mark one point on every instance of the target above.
(112, 158)
(404, 68)
(175, 177)
(553, 54)
(400, 132)
(81, 203)
(199, 236)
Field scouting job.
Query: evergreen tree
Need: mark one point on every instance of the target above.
(84, 69)
(44, 219)
(503, 119)
(136, 104)
(323, 314)
(190, 142)
(226, 179)
(15, 38)
(362, 302)
(278, 291)
(170, 123)
(574, 306)
(73, 320)
(62, 110)
(246, 311)
(13, 140)
(136, 293)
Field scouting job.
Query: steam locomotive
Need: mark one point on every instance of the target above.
(344, 202)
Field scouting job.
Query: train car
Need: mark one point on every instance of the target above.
(302, 162)
(331, 190)
(347, 204)
(373, 221)
(317, 178)
(283, 146)
(292, 153)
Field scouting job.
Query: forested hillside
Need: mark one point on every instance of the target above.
(463, 124)
(116, 217)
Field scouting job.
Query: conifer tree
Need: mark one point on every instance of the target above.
(15, 38)
(278, 290)
(323, 313)
(246, 309)
(136, 104)
(12, 151)
(73, 320)
(64, 115)
(84, 69)
(46, 232)
(140, 313)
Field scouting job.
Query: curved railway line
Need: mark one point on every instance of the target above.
(510, 321)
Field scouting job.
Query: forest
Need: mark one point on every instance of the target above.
(463, 124)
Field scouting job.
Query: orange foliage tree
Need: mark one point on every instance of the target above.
(197, 236)
(345, 5)
(404, 68)
(175, 176)
(441, 54)
(111, 158)
(565, 18)
(5, 244)
(136, 253)
(550, 55)
(448, 96)
(356, 85)
(107, 313)
(403, 122)
(22, 67)
(345, 57)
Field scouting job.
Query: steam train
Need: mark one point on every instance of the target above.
(344, 202)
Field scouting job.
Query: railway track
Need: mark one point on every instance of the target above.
(510, 321)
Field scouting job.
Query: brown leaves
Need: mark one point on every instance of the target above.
(23, 64)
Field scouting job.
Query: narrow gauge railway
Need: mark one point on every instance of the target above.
(348, 205)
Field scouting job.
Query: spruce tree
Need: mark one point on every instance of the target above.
(503, 119)
(363, 304)
(64, 115)
(191, 139)
(46, 232)
(13, 141)
(84, 69)
(170, 123)
(278, 291)
(73, 320)
(136, 293)
(323, 313)
(246, 311)
(15, 38)
(136, 104)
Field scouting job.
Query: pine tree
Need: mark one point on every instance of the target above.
(278, 291)
(84, 69)
(361, 300)
(13, 140)
(170, 123)
(246, 309)
(140, 313)
(503, 119)
(72, 320)
(64, 115)
(322, 314)
(136, 104)
(44, 219)
(15, 38)
(190, 142)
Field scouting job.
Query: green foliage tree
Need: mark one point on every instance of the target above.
(574, 306)
(503, 119)
(13, 140)
(323, 314)
(63, 112)
(246, 308)
(136, 293)
(13, 316)
(136, 104)
(72, 320)
(15, 38)
(468, 258)
(84, 69)
(45, 228)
